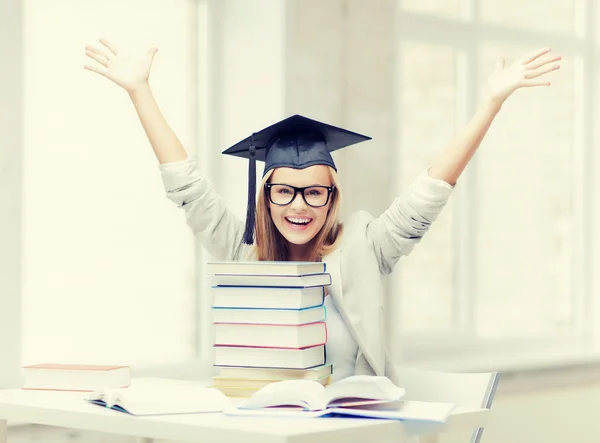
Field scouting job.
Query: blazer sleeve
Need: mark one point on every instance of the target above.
(395, 232)
(206, 214)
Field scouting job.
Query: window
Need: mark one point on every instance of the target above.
(526, 215)
(427, 118)
(449, 8)
(508, 258)
(557, 16)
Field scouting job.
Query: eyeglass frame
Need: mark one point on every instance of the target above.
(330, 190)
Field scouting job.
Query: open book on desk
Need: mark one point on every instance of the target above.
(359, 396)
(157, 396)
(415, 411)
(310, 395)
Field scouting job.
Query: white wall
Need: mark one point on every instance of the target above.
(108, 262)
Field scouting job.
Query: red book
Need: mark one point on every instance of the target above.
(72, 377)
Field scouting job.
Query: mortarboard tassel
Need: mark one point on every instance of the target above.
(251, 208)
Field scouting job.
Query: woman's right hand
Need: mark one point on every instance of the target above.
(128, 71)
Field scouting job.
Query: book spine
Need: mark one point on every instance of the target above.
(221, 345)
(303, 325)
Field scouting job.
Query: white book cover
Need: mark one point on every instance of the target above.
(270, 336)
(271, 298)
(282, 281)
(269, 357)
(269, 316)
(265, 267)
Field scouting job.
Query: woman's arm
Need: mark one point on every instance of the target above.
(131, 72)
(525, 72)
(206, 213)
(405, 222)
(165, 144)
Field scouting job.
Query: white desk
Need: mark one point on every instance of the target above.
(68, 409)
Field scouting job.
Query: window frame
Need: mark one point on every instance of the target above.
(11, 237)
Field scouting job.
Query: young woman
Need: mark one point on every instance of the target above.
(299, 198)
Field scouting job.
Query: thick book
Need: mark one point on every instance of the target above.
(309, 395)
(265, 267)
(267, 298)
(155, 396)
(233, 392)
(72, 377)
(246, 388)
(255, 384)
(315, 373)
(270, 357)
(269, 316)
(281, 281)
(270, 336)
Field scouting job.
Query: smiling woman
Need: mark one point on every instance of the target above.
(298, 203)
(288, 226)
(299, 197)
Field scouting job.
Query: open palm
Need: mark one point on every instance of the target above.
(127, 71)
(525, 72)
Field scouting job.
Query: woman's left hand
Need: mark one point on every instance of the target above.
(525, 72)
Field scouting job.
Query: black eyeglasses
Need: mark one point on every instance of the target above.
(282, 195)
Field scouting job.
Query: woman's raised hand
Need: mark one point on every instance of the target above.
(129, 71)
(525, 72)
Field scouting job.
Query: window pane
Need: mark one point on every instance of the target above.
(525, 217)
(549, 15)
(427, 108)
(108, 260)
(450, 8)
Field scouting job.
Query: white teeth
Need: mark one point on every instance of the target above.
(303, 221)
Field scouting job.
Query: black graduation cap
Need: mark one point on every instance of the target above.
(295, 142)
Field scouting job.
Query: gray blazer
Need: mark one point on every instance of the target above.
(368, 251)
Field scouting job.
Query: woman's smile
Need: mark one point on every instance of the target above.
(298, 223)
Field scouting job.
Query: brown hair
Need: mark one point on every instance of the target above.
(270, 245)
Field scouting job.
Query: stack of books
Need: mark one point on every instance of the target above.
(268, 324)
